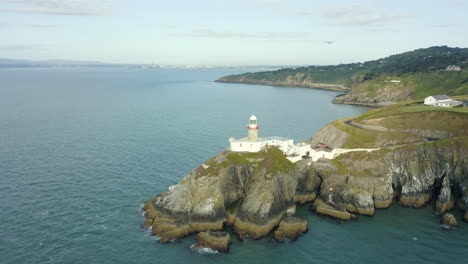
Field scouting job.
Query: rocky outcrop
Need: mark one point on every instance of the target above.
(256, 192)
(229, 190)
(290, 228)
(449, 220)
(297, 80)
(445, 201)
(308, 181)
(386, 92)
(326, 208)
(215, 240)
(413, 175)
(330, 135)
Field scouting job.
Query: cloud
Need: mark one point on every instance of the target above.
(354, 15)
(56, 7)
(208, 33)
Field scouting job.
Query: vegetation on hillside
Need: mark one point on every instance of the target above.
(400, 118)
(421, 73)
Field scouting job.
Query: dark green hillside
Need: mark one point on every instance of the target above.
(420, 73)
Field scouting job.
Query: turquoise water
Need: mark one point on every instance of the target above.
(82, 149)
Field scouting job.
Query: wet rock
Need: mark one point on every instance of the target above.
(290, 228)
(215, 240)
(449, 220)
(323, 208)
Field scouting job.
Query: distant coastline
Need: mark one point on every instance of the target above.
(322, 86)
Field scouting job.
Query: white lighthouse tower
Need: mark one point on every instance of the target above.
(252, 129)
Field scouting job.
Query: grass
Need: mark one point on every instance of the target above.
(275, 162)
(272, 159)
(413, 85)
(342, 170)
(411, 107)
(237, 158)
(404, 115)
(363, 138)
(334, 76)
(453, 122)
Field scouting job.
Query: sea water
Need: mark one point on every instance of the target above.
(81, 149)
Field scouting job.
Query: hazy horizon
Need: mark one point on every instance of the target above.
(230, 32)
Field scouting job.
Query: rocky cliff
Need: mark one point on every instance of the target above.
(255, 192)
(253, 197)
(294, 80)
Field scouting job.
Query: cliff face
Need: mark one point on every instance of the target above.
(230, 190)
(330, 134)
(254, 196)
(413, 175)
(293, 80)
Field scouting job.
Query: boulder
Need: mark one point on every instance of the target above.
(325, 209)
(449, 220)
(215, 240)
(290, 228)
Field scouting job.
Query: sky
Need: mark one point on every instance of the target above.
(227, 32)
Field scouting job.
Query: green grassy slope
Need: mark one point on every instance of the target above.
(421, 72)
(400, 118)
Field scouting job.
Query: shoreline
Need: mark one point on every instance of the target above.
(320, 86)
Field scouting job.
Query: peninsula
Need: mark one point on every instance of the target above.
(419, 158)
(407, 76)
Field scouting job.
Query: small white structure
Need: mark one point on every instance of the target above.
(453, 68)
(293, 152)
(441, 101)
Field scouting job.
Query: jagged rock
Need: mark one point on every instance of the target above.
(445, 200)
(216, 240)
(323, 208)
(308, 182)
(290, 228)
(449, 220)
(266, 201)
(254, 191)
(227, 189)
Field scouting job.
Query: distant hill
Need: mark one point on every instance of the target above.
(406, 76)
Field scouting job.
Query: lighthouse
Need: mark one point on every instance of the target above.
(252, 129)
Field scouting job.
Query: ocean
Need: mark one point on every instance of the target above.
(81, 149)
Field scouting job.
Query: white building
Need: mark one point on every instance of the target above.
(453, 68)
(441, 101)
(252, 143)
(293, 152)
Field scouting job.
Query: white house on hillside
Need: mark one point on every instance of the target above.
(441, 101)
(453, 68)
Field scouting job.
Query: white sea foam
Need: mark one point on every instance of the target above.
(203, 251)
